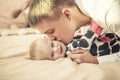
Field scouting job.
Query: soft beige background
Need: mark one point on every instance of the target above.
(7, 9)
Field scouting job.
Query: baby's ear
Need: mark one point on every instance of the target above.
(67, 13)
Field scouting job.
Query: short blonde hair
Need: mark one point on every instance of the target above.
(37, 49)
(41, 9)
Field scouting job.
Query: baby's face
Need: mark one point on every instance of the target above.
(53, 49)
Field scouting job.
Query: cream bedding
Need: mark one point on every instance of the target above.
(16, 65)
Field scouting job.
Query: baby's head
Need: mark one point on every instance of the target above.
(44, 48)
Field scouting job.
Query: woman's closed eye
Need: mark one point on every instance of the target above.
(50, 31)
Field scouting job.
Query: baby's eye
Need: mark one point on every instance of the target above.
(52, 45)
(52, 55)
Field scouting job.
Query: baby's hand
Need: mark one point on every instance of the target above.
(82, 56)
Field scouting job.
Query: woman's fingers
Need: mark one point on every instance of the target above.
(82, 56)
(78, 51)
(73, 56)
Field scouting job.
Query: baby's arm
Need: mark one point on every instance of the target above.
(84, 37)
(83, 42)
(106, 44)
(88, 38)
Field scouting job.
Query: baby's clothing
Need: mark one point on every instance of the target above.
(105, 44)
(97, 43)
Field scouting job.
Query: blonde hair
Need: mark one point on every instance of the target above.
(41, 9)
(37, 49)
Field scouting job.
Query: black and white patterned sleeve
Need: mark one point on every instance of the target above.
(83, 42)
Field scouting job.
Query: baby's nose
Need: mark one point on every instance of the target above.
(56, 50)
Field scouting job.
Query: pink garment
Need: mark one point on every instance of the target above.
(98, 30)
(105, 38)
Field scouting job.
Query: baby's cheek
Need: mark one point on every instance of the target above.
(58, 57)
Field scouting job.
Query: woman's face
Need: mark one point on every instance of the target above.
(61, 30)
(53, 49)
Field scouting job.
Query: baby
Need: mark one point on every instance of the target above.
(44, 48)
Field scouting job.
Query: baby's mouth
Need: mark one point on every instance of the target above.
(61, 52)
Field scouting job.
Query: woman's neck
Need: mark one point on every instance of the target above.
(80, 19)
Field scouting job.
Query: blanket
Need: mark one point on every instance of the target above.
(16, 65)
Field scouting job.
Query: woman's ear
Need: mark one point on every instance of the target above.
(67, 13)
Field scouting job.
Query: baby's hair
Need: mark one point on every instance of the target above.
(36, 50)
(41, 9)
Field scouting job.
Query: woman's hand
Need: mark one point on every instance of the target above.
(82, 56)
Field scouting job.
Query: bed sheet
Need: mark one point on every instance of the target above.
(16, 65)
